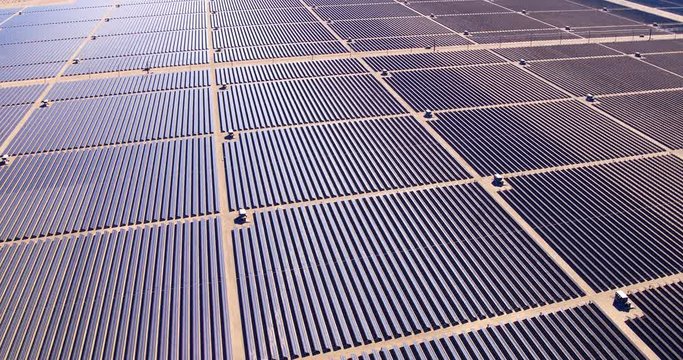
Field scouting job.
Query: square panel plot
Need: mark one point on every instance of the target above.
(660, 326)
(585, 18)
(521, 36)
(671, 62)
(148, 279)
(279, 103)
(555, 52)
(280, 51)
(262, 17)
(490, 22)
(288, 71)
(511, 139)
(539, 5)
(144, 44)
(376, 28)
(591, 332)
(651, 46)
(336, 275)
(605, 75)
(426, 41)
(20, 95)
(114, 120)
(441, 89)
(58, 193)
(369, 11)
(457, 7)
(658, 115)
(270, 35)
(616, 224)
(432, 60)
(599, 4)
(281, 166)
(642, 17)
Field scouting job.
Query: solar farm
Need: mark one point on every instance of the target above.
(341, 179)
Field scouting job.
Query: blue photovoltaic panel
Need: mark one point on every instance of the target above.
(510, 139)
(270, 35)
(555, 52)
(432, 60)
(29, 72)
(365, 11)
(115, 120)
(280, 51)
(425, 41)
(144, 44)
(281, 166)
(153, 292)
(262, 17)
(20, 95)
(617, 224)
(138, 62)
(157, 9)
(660, 326)
(46, 32)
(288, 71)
(165, 23)
(323, 277)
(374, 28)
(658, 115)
(9, 118)
(268, 104)
(440, 89)
(129, 85)
(57, 193)
(37, 53)
(578, 333)
(55, 17)
(231, 5)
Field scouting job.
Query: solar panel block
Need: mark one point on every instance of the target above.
(56, 17)
(10, 117)
(281, 166)
(144, 44)
(490, 22)
(658, 115)
(58, 193)
(599, 4)
(539, 5)
(139, 62)
(166, 23)
(670, 62)
(582, 18)
(390, 27)
(457, 7)
(510, 139)
(47, 32)
(440, 89)
(555, 52)
(148, 292)
(20, 95)
(577, 333)
(642, 16)
(605, 75)
(232, 5)
(280, 103)
(317, 278)
(661, 325)
(37, 53)
(426, 41)
(522, 36)
(369, 11)
(158, 9)
(288, 71)
(115, 120)
(30, 72)
(432, 60)
(262, 17)
(280, 51)
(270, 35)
(644, 47)
(129, 85)
(616, 224)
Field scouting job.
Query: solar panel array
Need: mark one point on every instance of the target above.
(294, 178)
